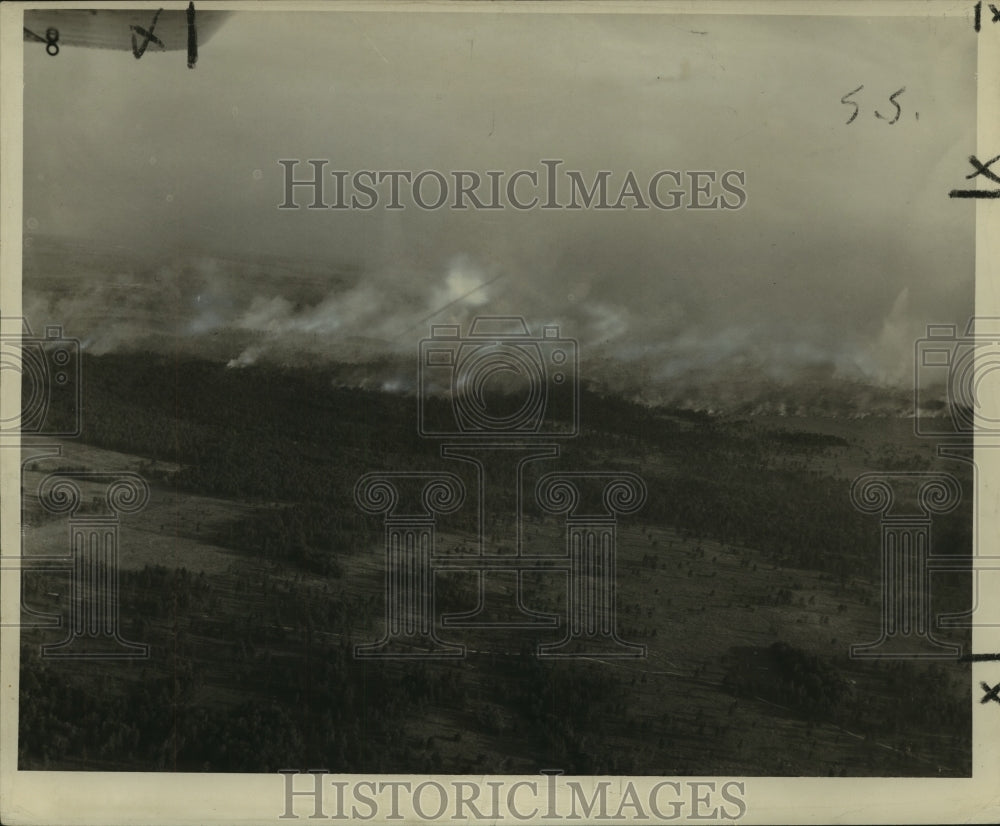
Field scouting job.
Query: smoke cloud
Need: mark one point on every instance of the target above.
(152, 222)
(367, 328)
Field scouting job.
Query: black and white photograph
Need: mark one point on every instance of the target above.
(499, 412)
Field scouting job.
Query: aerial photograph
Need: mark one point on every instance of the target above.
(469, 394)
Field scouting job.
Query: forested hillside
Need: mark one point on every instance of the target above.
(747, 574)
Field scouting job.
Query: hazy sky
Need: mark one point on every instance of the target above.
(847, 247)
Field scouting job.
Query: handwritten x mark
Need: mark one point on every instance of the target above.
(983, 169)
(991, 693)
(138, 50)
(992, 8)
(980, 169)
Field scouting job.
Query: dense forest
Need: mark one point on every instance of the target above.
(251, 666)
(292, 436)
